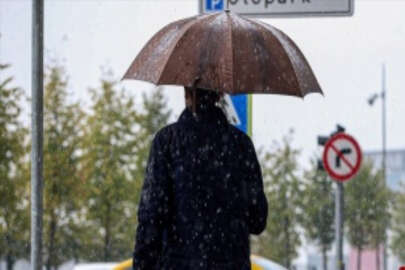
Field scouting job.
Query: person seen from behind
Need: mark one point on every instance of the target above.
(202, 195)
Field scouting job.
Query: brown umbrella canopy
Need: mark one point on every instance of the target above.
(227, 53)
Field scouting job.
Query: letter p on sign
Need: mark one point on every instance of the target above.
(213, 5)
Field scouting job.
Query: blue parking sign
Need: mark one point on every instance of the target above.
(214, 5)
(240, 103)
(238, 110)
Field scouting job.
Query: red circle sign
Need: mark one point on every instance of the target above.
(342, 157)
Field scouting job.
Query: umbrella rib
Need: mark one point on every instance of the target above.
(149, 48)
(181, 36)
(300, 74)
(184, 30)
(281, 38)
(230, 54)
(277, 35)
(204, 54)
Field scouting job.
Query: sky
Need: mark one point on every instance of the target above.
(346, 54)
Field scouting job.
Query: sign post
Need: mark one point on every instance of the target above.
(341, 159)
(37, 134)
(339, 222)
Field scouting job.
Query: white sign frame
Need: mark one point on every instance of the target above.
(285, 14)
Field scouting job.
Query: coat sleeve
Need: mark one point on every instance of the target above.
(257, 202)
(153, 211)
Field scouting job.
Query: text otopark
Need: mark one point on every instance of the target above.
(267, 3)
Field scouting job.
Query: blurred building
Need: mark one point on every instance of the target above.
(395, 166)
(315, 261)
(367, 258)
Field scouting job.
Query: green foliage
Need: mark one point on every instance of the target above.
(381, 215)
(366, 205)
(398, 228)
(154, 116)
(116, 148)
(109, 146)
(94, 165)
(319, 209)
(280, 240)
(14, 222)
(62, 185)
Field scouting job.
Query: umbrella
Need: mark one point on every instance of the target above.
(227, 53)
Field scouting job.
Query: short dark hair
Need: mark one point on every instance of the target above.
(206, 96)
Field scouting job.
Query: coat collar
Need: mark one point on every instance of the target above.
(210, 115)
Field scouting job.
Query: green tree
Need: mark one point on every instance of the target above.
(14, 237)
(153, 117)
(319, 210)
(398, 228)
(116, 148)
(109, 147)
(381, 216)
(366, 206)
(280, 240)
(62, 185)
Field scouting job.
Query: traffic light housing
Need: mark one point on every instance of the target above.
(322, 140)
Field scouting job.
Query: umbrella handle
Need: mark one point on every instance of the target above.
(194, 97)
(193, 103)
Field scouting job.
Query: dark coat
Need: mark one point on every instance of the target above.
(202, 197)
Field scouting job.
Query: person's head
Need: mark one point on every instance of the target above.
(202, 97)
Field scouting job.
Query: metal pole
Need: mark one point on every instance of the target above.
(37, 134)
(250, 115)
(339, 216)
(384, 153)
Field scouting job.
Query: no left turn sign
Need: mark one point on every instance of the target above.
(342, 157)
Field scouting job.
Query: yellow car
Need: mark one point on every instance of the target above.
(258, 263)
